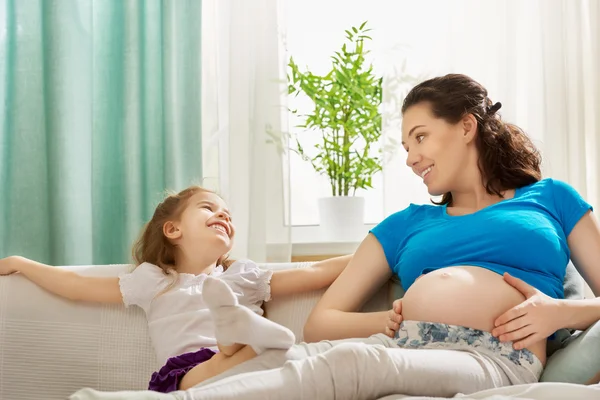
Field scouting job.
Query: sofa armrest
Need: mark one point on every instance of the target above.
(51, 347)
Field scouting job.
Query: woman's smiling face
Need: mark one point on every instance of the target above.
(437, 150)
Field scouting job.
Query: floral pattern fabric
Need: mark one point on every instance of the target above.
(433, 335)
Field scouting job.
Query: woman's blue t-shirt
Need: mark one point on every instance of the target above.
(525, 236)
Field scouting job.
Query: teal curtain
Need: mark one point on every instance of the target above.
(100, 114)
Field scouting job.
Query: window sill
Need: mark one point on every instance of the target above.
(313, 234)
(321, 250)
(308, 244)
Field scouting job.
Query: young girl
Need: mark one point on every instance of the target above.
(204, 312)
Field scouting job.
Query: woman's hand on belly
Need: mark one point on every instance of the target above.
(530, 321)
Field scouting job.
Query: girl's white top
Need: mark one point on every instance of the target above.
(178, 320)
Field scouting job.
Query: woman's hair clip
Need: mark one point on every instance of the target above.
(491, 110)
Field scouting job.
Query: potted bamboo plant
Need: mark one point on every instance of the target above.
(346, 112)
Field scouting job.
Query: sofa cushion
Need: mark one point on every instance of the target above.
(579, 361)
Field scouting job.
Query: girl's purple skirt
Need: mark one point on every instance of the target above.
(167, 379)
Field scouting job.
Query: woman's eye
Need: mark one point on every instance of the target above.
(420, 138)
(209, 208)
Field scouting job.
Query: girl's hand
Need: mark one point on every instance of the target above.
(7, 266)
(394, 319)
(531, 321)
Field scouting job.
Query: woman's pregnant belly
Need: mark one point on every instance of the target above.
(467, 296)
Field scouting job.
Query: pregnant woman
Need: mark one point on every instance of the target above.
(497, 222)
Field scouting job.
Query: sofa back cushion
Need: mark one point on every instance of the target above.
(51, 347)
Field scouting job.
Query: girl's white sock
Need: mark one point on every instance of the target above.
(235, 323)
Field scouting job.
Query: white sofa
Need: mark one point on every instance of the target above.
(51, 348)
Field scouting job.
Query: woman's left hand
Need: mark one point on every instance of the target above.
(531, 321)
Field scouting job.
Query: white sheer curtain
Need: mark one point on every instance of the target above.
(244, 94)
(571, 85)
(540, 58)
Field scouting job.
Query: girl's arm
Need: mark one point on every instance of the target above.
(336, 316)
(64, 283)
(317, 276)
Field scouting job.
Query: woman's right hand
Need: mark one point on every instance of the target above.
(7, 266)
(394, 319)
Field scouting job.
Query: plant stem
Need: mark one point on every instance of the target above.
(346, 153)
(337, 163)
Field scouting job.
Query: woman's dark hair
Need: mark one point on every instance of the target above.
(507, 157)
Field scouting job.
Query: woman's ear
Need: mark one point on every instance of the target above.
(469, 127)
(171, 230)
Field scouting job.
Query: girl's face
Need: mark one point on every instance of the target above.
(204, 226)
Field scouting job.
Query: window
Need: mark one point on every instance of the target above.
(413, 41)
(311, 39)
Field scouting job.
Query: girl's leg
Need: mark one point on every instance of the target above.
(230, 350)
(360, 371)
(218, 364)
(232, 360)
(240, 334)
(273, 358)
(595, 380)
(237, 324)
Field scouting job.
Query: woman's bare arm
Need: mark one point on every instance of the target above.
(317, 276)
(584, 244)
(336, 316)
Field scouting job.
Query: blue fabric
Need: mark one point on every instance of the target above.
(525, 236)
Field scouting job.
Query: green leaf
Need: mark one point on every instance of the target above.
(346, 102)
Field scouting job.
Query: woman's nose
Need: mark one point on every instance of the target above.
(412, 159)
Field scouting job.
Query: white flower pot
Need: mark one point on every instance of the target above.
(342, 218)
